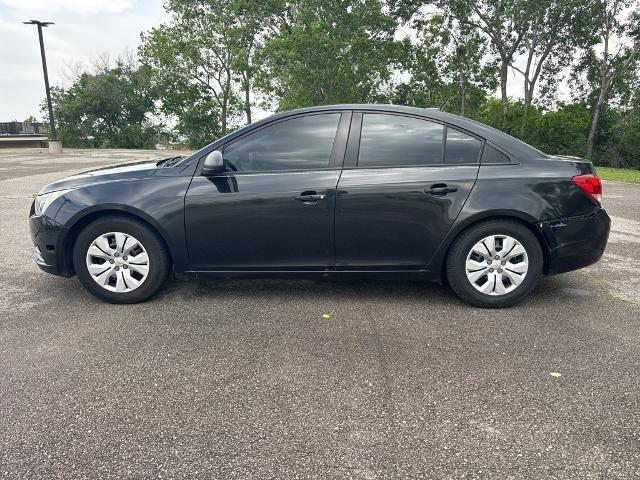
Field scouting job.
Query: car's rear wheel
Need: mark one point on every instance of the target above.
(495, 263)
(120, 260)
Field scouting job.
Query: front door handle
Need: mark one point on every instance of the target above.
(310, 197)
(440, 190)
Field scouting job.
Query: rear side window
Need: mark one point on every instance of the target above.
(302, 143)
(461, 148)
(493, 155)
(394, 140)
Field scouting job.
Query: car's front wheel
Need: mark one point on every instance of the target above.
(495, 263)
(120, 260)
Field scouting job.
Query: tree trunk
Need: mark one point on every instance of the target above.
(247, 98)
(604, 87)
(223, 110)
(595, 120)
(528, 98)
(462, 93)
(602, 97)
(528, 94)
(503, 89)
(225, 101)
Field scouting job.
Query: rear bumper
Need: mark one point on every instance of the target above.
(576, 242)
(48, 237)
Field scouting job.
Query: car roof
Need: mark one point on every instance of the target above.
(511, 145)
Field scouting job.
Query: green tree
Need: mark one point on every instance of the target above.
(606, 70)
(329, 51)
(256, 22)
(564, 131)
(191, 66)
(203, 62)
(548, 47)
(110, 108)
(628, 139)
(214, 62)
(617, 143)
(448, 63)
(505, 25)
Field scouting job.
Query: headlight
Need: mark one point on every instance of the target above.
(43, 201)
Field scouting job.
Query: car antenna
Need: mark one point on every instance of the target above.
(444, 104)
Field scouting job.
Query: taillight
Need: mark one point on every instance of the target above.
(589, 184)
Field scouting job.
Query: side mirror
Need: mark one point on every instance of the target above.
(213, 163)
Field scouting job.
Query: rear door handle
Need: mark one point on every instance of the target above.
(310, 197)
(440, 190)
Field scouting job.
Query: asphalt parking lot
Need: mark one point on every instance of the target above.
(247, 379)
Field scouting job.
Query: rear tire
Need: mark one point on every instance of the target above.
(494, 264)
(121, 260)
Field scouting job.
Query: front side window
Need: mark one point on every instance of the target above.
(461, 148)
(302, 143)
(394, 140)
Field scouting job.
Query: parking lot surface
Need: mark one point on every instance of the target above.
(304, 379)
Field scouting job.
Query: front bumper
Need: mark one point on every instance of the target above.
(576, 242)
(48, 252)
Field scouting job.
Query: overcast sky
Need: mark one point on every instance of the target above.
(83, 30)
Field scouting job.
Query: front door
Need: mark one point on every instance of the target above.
(273, 207)
(401, 190)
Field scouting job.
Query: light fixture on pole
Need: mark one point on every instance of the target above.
(54, 145)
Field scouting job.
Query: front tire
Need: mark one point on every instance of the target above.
(120, 260)
(494, 264)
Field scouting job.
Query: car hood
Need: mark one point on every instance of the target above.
(111, 173)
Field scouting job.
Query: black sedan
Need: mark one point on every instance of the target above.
(349, 190)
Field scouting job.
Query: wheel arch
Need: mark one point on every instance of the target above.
(89, 215)
(438, 262)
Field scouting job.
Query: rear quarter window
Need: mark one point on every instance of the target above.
(493, 155)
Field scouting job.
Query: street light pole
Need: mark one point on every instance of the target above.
(54, 144)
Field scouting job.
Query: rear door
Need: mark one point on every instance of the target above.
(405, 181)
(273, 207)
